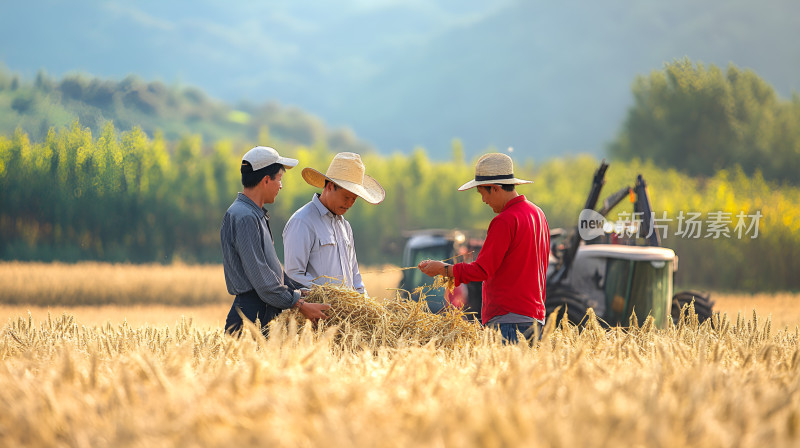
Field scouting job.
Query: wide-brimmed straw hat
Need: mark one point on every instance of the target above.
(347, 171)
(495, 168)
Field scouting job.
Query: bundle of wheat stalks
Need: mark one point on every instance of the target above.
(363, 321)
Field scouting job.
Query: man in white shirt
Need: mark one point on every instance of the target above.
(318, 241)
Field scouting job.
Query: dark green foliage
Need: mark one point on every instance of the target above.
(152, 106)
(700, 120)
(22, 104)
(147, 188)
(123, 196)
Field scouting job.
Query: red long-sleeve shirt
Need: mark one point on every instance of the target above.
(512, 262)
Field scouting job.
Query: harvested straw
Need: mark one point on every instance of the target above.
(366, 321)
(449, 283)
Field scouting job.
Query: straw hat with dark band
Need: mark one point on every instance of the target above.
(347, 171)
(495, 168)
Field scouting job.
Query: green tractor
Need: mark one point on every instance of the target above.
(618, 274)
(454, 246)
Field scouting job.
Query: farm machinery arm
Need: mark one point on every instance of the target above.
(612, 201)
(573, 238)
(642, 206)
(642, 209)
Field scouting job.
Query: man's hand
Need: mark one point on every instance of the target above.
(431, 268)
(313, 311)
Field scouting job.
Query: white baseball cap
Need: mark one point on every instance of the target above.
(264, 156)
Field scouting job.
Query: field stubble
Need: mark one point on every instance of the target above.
(66, 384)
(98, 293)
(181, 382)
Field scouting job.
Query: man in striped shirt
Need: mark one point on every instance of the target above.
(253, 272)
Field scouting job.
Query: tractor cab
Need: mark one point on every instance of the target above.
(619, 281)
(452, 246)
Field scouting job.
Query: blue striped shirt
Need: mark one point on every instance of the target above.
(248, 255)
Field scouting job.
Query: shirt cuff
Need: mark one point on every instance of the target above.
(455, 270)
(295, 297)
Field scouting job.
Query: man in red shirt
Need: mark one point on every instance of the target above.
(512, 263)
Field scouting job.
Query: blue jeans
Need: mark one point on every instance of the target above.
(509, 331)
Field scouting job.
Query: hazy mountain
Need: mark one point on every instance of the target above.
(546, 78)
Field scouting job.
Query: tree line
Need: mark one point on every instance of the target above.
(174, 111)
(121, 196)
(687, 116)
(702, 119)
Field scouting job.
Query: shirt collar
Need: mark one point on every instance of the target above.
(242, 197)
(511, 202)
(323, 211)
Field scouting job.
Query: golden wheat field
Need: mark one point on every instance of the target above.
(158, 375)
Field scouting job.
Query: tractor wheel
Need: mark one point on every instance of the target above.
(573, 303)
(702, 305)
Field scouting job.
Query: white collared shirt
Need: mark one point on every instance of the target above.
(318, 248)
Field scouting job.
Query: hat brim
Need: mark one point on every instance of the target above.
(371, 191)
(287, 162)
(474, 183)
